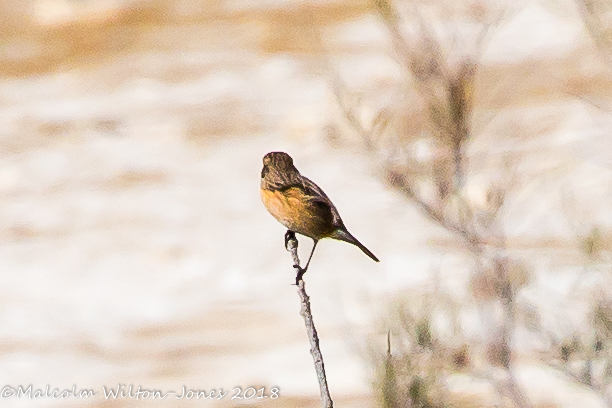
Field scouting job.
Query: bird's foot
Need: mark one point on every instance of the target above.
(300, 273)
(289, 235)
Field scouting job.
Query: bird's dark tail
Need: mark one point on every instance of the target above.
(344, 235)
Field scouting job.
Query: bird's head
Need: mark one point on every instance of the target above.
(278, 171)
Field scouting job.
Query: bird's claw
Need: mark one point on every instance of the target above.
(300, 273)
(289, 235)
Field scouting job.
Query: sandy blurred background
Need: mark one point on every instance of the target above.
(135, 250)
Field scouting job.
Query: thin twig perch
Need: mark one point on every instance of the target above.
(315, 351)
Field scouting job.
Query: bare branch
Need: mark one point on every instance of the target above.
(305, 312)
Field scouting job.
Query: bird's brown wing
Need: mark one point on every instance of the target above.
(318, 197)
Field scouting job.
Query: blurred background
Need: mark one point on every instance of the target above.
(465, 143)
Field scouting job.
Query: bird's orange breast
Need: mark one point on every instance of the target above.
(285, 206)
(292, 209)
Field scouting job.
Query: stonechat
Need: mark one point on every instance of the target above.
(301, 206)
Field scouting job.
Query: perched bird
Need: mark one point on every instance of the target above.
(300, 205)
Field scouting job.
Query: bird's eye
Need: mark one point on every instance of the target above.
(264, 171)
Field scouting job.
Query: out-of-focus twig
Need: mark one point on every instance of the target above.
(592, 17)
(472, 240)
(602, 106)
(597, 388)
(305, 312)
(339, 90)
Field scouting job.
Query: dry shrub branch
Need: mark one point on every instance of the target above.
(436, 116)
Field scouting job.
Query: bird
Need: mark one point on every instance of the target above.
(301, 206)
